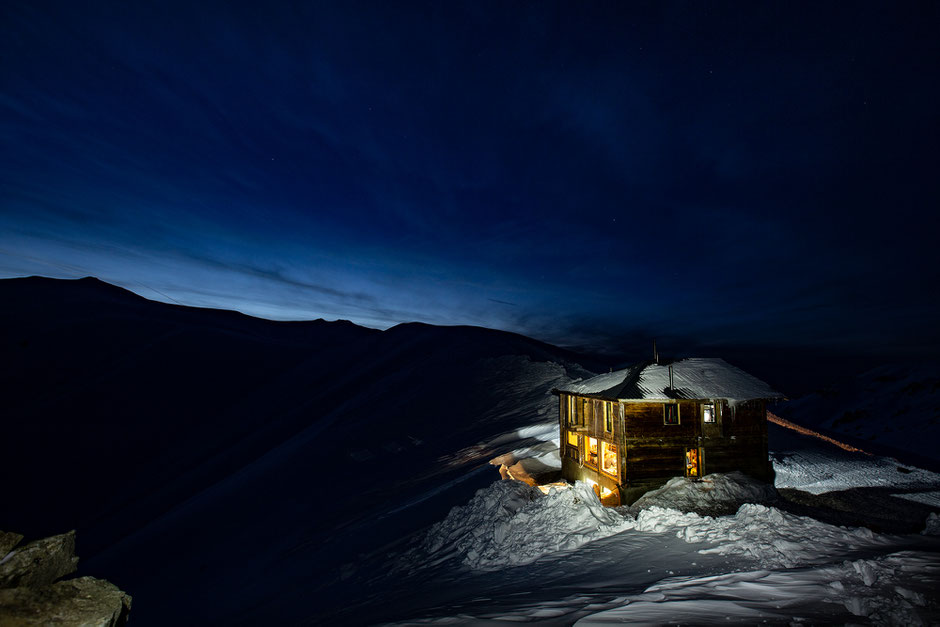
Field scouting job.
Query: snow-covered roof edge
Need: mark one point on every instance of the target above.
(693, 378)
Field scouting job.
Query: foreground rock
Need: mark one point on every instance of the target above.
(39, 563)
(29, 594)
(82, 601)
(8, 540)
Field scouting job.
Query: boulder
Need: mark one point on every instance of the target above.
(39, 563)
(82, 601)
(8, 540)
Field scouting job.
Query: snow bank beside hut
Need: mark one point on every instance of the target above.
(510, 523)
(715, 494)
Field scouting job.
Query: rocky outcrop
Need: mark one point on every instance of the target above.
(30, 595)
(39, 563)
(8, 540)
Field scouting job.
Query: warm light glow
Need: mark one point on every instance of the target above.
(691, 462)
(591, 453)
(548, 487)
(572, 438)
(609, 458)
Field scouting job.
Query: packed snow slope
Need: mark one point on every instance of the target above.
(892, 409)
(513, 554)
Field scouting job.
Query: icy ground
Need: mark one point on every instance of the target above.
(513, 554)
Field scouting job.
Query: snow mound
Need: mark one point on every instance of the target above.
(715, 494)
(891, 590)
(511, 523)
(772, 537)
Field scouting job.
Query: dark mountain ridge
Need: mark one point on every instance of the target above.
(147, 425)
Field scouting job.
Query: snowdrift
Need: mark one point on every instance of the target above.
(715, 495)
(511, 523)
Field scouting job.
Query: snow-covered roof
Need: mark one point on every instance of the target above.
(696, 377)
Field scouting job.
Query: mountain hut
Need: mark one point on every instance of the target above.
(630, 431)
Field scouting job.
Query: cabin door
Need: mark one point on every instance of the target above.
(693, 461)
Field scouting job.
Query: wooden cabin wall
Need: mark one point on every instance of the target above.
(650, 452)
(582, 417)
(744, 443)
(655, 451)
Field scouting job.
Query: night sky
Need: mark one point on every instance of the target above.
(583, 172)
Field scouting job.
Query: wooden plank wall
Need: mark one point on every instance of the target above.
(651, 452)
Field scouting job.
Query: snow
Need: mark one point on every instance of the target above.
(696, 377)
(585, 564)
(771, 537)
(887, 590)
(511, 523)
(927, 498)
(821, 469)
(716, 493)
(895, 406)
(601, 383)
(783, 567)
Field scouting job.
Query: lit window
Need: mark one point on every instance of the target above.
(572, 438)
(609, 458)
(670, 414)
(691, 462)
(608, 418)
(591, 453)
(708, 413)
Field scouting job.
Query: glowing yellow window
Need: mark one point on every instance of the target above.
(572, 438)
(609, 458)
(591, 453)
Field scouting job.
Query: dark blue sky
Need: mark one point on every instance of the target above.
(580, 172)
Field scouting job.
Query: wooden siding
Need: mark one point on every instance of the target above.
(650, 452)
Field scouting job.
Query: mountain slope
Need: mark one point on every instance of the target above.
(893, 409)
(188, 440)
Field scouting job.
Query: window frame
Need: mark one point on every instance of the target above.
(705, 411)
(666, 412)
(604, 446)
(587, 452)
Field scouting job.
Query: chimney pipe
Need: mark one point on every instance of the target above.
(671, 386)
(655, 353)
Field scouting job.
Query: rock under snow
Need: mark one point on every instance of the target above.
(716, 494)
(933, 525)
